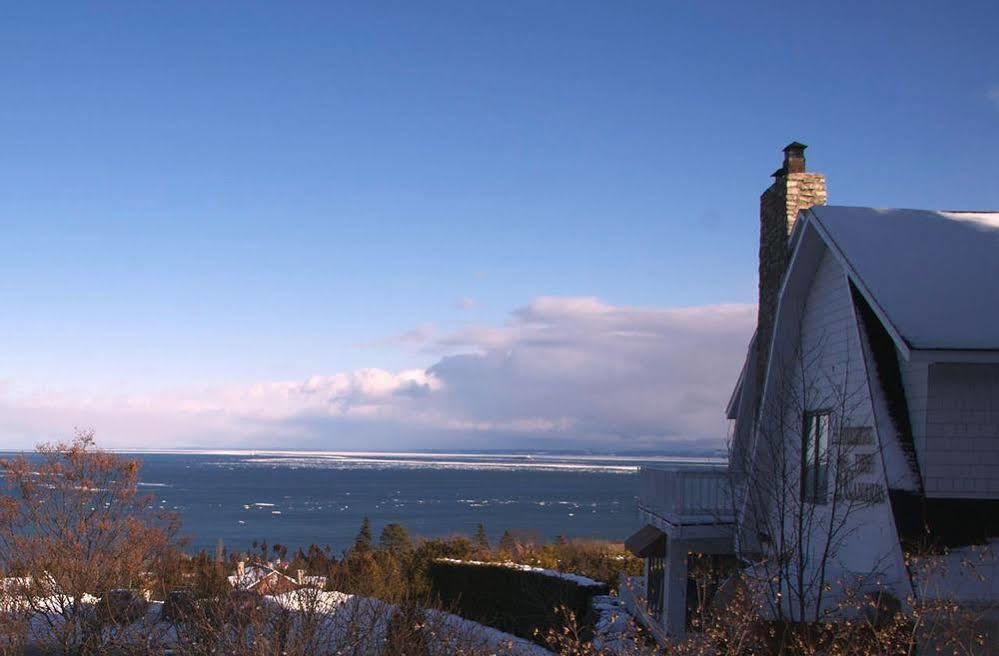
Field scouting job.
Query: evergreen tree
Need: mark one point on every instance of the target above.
(481, 539)
(395, 539)
(363, 540)
(507, 543)
(560, 540)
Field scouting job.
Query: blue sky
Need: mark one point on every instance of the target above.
(215, 196)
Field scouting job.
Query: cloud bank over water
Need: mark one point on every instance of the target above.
(559, 373)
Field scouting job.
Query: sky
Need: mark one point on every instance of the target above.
(400, 225)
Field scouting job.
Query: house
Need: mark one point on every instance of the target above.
(865, 421)
(268, 580)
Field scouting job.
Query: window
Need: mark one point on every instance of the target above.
(815, 457)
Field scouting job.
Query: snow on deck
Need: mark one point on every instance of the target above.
(579, 580)
(935, 274)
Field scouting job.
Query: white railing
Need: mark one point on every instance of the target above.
(687, 493)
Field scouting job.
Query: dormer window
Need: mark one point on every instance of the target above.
(815, 456)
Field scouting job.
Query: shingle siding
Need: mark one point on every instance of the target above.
(830, 344)
(960, 445)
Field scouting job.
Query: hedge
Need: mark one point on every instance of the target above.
(518, 601)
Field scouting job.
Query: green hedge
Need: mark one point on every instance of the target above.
(520, 602)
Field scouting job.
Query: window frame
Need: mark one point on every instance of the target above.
(815, 449)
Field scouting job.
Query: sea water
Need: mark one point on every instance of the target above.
(296, 498)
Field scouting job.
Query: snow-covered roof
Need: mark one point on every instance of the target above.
(252, 575)
(934, 274)
(313, 581)
(249, 577)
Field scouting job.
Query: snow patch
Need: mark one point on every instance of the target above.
(583, 581)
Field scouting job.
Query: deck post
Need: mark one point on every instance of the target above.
(675, 602)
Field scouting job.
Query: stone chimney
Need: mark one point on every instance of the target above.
(793, 190)
(241, 568)
(300, 576)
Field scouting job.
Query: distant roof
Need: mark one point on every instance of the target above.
(251, 576)
(934, 274)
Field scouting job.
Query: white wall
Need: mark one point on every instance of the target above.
(836, 377)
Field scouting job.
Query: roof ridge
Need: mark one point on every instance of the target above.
(903, 209)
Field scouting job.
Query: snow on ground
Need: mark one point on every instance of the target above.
(344, 620)
(583, 581)
(49, 620)
(966, 574)
(479, 635)
(615, 631)
(351, 617)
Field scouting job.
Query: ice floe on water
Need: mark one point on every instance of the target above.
(456, 461)
(325, 503)
(469, 465)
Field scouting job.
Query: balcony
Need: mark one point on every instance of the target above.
(686, 500)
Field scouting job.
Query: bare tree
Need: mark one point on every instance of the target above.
(82, 544)
(797, 492)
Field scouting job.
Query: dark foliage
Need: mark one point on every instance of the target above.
(512, 600)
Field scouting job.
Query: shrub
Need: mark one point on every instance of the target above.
(521, 602)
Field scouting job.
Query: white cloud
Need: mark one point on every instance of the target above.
(621, 376)
(561, 372)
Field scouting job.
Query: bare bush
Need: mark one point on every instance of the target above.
(82, 544)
